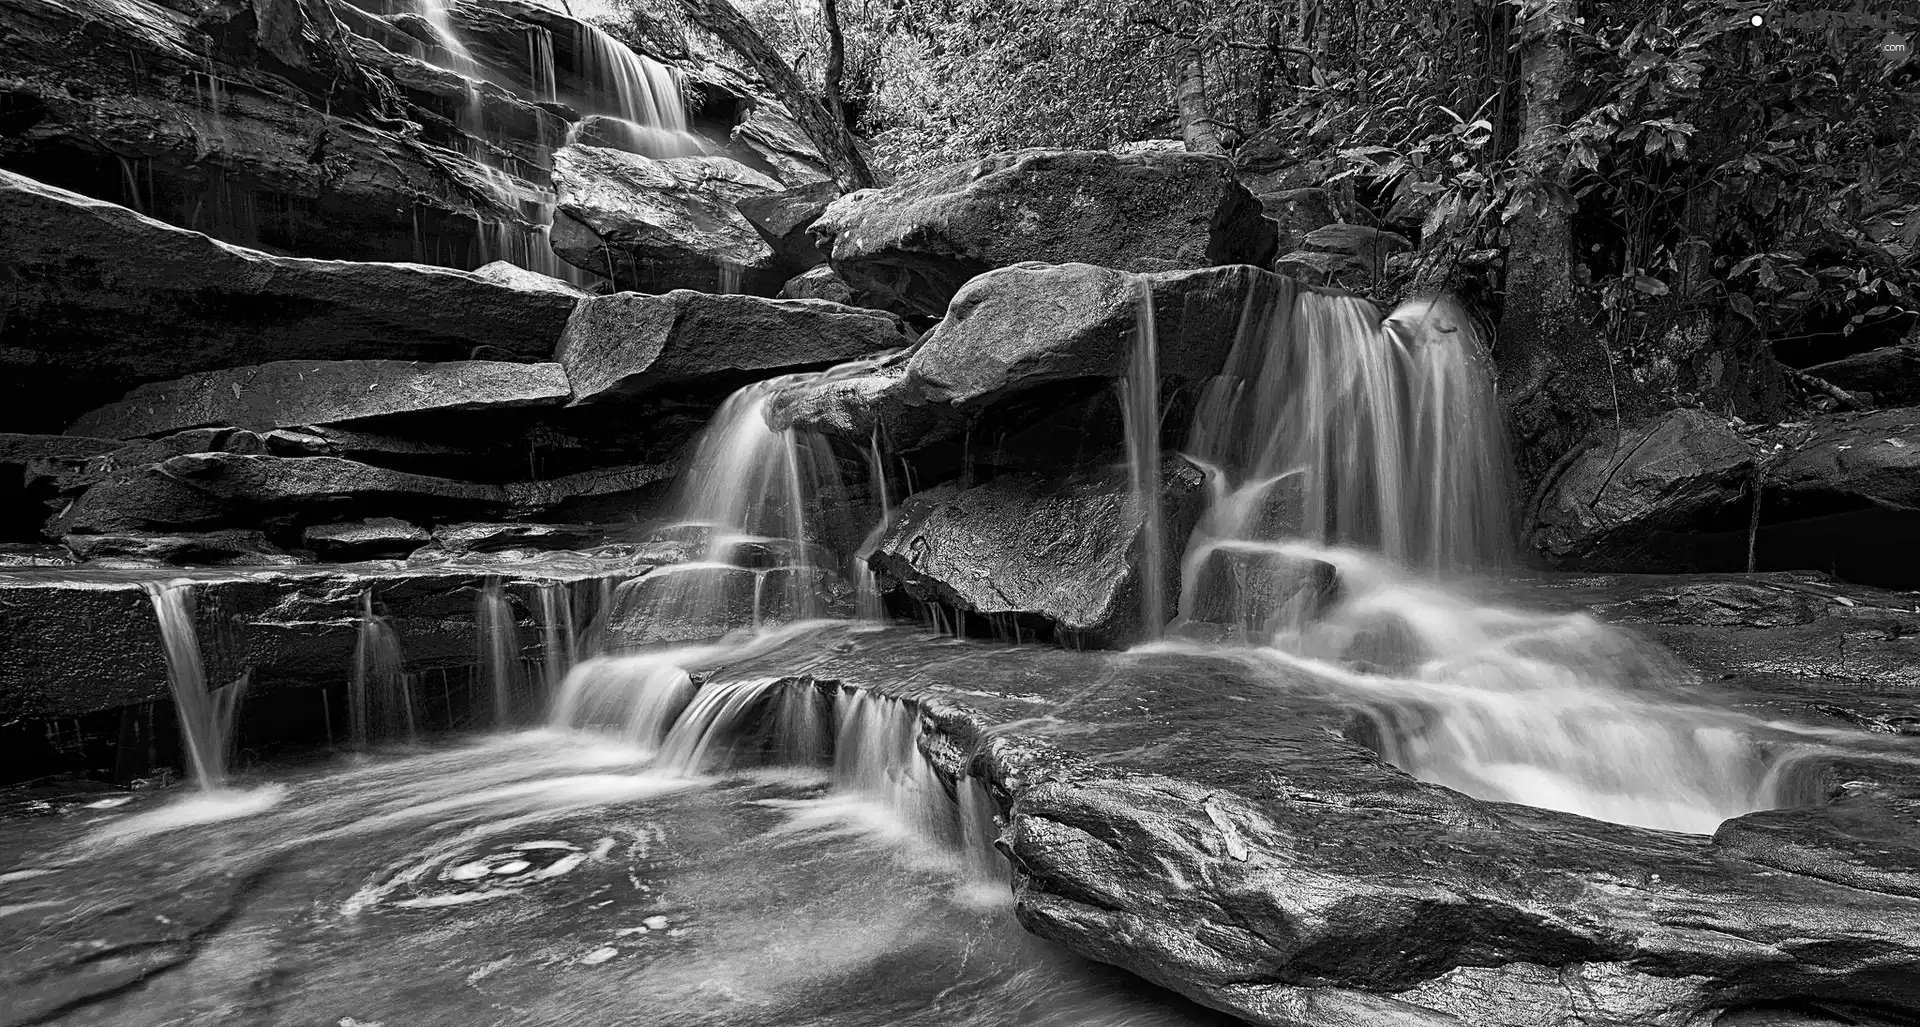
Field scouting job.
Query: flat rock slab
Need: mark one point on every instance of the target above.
(101, 298)
(1220, 831)
(287, 393)
(911, 246)
(207, 490)
(626, 343)
(75, 640)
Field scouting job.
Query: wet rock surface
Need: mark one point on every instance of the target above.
(1049, 557)
(1634, 505)
(620, 345)
(1020, 329)
(101, 298)
(1214, 825)
(204, 490)
(292, 393)
(1891, 374)
(657, 225)
(76, 640)
(911, 246)
(1838, 492)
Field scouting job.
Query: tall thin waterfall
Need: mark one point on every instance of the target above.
(1141, 389)
(498, 640)
(206, 715)
(867, 601)
(379, 695)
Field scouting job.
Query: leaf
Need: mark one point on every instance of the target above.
(1649, 285)
(1742, 304)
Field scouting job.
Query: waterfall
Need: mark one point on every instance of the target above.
(869, 745)
(1354, 473)
(379, 696)
(868, 604)
(1141, 391)
(760, 510)
(206, 715)
(640, 96)
(498, 640)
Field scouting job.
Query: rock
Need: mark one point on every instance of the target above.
(770, 139)
(617, 493)
(626, 343)
(1298, 212)
(784, 218)
(28, 463)
(360, 540)
(1016, 331)
(73, 640)
(287, 393)
(457, 540)
(911, 246)
(654, 609)
(1634, 504)
(1060, 556)
(208, 490)
(100, 299)
(68, 477)
(1890, 374)
(235, 117)
(819, 283)
(658, 225)
(1853, 461)
(24, 554)
(1219, 827)
(226, 548)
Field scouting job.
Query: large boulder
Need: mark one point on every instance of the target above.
(657, 225)
(626, 343)
(1020, 330)
(320, 392)
(1062, 557)
(1839, 494)
(1639, 502)
(1890, 374)
(210, 490)
(99, 299)
(911, 246)
(785, 219)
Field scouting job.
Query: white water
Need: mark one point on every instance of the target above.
(1343, 447)
(206, 715)
(379, 695)
(642, 97)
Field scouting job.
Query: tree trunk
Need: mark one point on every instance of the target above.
(836, 61)
(1197, 127)
(1556, 376)
(836, 144)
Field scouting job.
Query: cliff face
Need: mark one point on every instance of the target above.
(325, 129)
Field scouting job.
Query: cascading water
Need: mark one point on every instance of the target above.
(498, 640)
(206, 715)
(1353, 464)
(1141, 391)
(639, 105)
(867, 601)
(379, 696)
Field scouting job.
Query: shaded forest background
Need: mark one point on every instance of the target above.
(1653, 200)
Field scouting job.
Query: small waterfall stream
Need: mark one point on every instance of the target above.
(206, 715)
